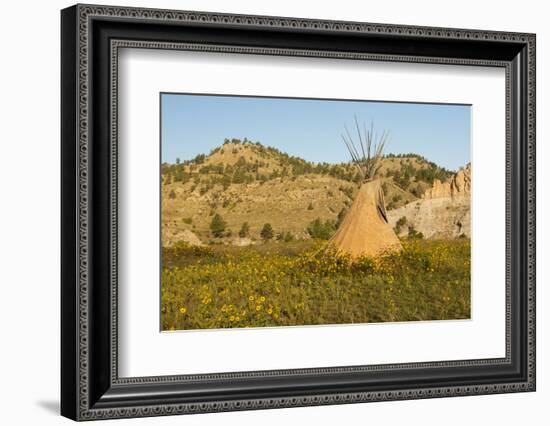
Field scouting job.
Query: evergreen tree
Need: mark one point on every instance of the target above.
(267, 232)
(217, 226)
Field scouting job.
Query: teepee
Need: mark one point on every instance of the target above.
(365, 230)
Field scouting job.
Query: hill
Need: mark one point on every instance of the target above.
(242, 181)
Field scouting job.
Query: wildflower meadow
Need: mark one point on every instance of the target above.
(303, 283)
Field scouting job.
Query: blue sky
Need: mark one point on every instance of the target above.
(311, 129)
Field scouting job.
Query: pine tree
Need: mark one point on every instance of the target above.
(267, 232)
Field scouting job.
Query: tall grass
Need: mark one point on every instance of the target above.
(303, 283)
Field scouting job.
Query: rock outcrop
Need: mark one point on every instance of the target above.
(186, 236)
(443, 211)
(242, 242)
(457, 186)
(436, 218)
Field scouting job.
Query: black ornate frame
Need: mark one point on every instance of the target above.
(91, 37)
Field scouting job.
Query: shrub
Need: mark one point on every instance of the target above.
(416, 191)
(217, 226)
(319, 230)
(347, 190)
(199, 159)
(239, 176)
(310, 206)
(172, 194)
(226, 181)
(245, 229)
(414, 234)
(402, 221)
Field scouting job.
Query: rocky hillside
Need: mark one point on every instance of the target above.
(443, 211)
(457, 186)
(244, 182)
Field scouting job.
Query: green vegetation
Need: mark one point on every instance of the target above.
(394, 200)
(414, 234)
(321, 230)
(298, 283)
(429, 173)
(259, 163)
(402, 221)
(217, 226)
(267, 232)
(348, 190)
(244, 231)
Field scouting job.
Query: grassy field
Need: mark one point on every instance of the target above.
(301, 283)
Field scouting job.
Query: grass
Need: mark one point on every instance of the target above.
(304, 283)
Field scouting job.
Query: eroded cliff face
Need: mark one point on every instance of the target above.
(458, 186)
(443, 211)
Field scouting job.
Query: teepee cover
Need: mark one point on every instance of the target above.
(365, 230)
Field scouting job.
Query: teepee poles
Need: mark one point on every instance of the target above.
(371, 146)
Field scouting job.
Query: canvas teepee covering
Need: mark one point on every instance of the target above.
(365, 230)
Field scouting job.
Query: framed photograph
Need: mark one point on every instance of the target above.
(263, 212)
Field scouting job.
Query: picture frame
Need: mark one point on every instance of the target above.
(90, 384)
